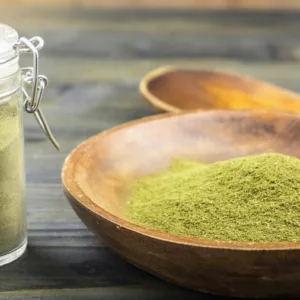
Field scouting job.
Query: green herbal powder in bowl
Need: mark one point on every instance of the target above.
(249, 199)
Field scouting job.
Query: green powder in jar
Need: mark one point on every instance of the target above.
(12, 215)
(249, 199)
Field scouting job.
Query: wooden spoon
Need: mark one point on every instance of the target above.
(174, 89)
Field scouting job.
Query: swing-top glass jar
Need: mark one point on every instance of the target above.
(14, 99)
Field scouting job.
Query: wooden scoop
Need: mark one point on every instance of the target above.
(173, 90)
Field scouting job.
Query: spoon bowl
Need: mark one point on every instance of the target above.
(174, 89)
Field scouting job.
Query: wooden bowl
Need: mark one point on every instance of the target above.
(96, 176)
(173, 90)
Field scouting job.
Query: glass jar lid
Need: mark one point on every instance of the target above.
(8, 40)
(10, 47)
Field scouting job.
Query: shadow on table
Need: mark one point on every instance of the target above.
(93, 267)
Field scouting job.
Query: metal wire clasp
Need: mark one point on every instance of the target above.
(31, 77)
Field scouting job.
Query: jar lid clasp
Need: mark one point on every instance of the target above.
(38, 82)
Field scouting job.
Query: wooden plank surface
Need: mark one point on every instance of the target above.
(181, 4)
(94, 68)
(267, 4)
(177, 4)
(130, 34)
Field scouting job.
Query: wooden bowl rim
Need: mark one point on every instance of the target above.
(75, 193)
(161, 71)
(151, 98)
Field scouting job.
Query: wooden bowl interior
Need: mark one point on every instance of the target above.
(105, 165)
(186, 89)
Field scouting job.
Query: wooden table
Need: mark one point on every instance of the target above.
(94, 60)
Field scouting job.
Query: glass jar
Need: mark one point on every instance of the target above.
(14, 98)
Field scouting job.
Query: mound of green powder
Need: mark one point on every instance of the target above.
(12, 210)
(249, 199)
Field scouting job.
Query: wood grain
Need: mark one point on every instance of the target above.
(97, 174)
(94, 35)
(97, 88)
(267, 4)
(178, 4)
(174, 89)
(203, 4)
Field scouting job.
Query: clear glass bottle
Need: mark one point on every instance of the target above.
(14, 98)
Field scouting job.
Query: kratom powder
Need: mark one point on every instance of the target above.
(12, 227)
(249, 199)
(179, 165)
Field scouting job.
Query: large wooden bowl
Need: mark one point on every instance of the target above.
(96, 176)
(177, 89)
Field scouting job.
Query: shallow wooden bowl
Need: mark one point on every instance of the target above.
(96, 176)
(174, 89)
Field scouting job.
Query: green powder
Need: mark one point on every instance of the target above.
(179, 165)
(12, 214)
(250, 199)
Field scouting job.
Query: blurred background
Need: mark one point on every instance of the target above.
(96, 52)
(217, 4)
